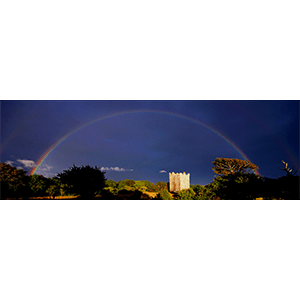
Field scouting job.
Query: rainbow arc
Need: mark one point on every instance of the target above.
(55, 145)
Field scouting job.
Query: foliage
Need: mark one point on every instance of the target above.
(138, 195)
(38, 185)
(126, 182)
(286, 187)
(241, 186)
(53, 190)
(160, 185)
(164, 195)
(149, 185)
(197, 188)
(230, 166)
(84, 181)
(187, 194)
(111, 183)
(124, 192)
(13, 181)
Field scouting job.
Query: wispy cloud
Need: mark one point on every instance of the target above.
(9, 162)
(27, 163)
(162, 171)
(117, 169)
(45, 167)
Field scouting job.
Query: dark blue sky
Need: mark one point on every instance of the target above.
(142, 145)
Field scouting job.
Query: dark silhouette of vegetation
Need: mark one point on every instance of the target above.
(124, 192)
(289, 171)
(84, 181)
(235, 179)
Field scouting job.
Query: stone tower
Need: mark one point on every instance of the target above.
(179, 181)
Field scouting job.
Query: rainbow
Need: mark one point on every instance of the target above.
(54, 146)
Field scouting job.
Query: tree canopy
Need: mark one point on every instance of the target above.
(230, 166)
(84, 181)
(13, 182)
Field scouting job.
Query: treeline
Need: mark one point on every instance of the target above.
(234, 179)
(16, 184)
(83, 182)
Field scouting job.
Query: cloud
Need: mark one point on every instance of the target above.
(9, 162)
(162, 171)
(27, 163)
(45, 167)
(117, 169)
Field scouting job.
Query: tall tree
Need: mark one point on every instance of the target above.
(84, 181)
(231, 166)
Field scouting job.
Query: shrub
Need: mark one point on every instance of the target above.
(159, 186)
(187, 194)
(164, 195)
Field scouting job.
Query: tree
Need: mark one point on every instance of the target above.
(111, 183)
(197, 188)
(84, 181)
(53, 190)
(243, 186)
(38, 185)
(13, 181)
(289, 171)
(230, 166)
(164, 195)
(127, 182)
(187, 194)
(149, 185)
(160, 185)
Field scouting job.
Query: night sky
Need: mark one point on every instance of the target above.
(145, 140)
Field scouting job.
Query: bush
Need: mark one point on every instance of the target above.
(111, 183)
(198, 189)
(164, 195)
(149, 185)
(187, 194)
(159, 186)
(124, 192)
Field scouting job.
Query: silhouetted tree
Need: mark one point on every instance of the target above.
(84, 181)
(239, 186)
(289, 171)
